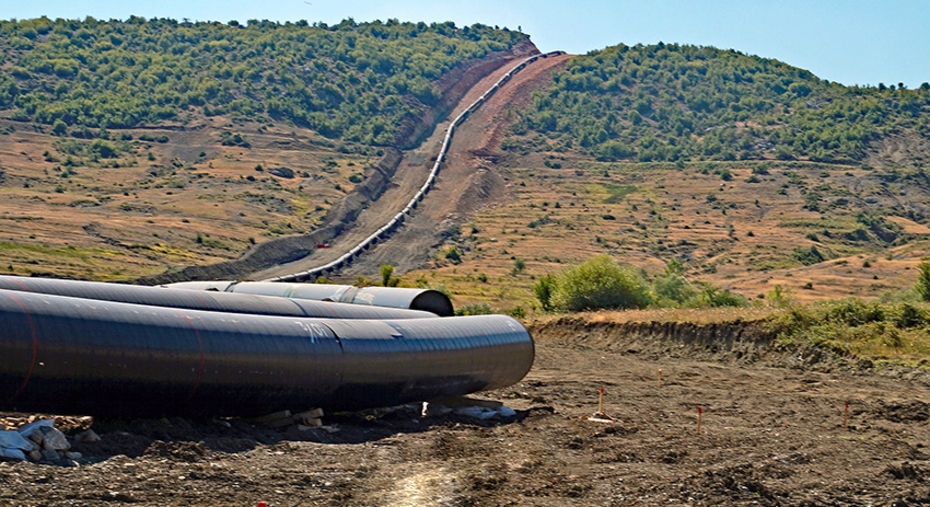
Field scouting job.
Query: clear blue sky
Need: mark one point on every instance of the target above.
(852, 41)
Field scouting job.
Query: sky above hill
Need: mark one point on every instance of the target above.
(851, 41)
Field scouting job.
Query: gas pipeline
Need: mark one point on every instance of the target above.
(209, 300)
(68, 355)
(397, 221)
(427, 300)
(71, 347)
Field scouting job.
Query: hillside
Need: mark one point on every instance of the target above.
(125, 168)
(754, 174)
(355, 82)
(671, 102)
(820, 217)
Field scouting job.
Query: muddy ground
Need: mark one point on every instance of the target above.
(772, 434)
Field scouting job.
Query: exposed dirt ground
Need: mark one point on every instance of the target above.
(772, 434)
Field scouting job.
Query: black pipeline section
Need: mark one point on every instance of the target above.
(427, 300)
(210, 301)
(79, 356)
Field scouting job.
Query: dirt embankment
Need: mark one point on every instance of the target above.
(743, 341)
(414, 130)
(740, 342)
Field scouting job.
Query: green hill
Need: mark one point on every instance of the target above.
(350, 81)
(670, 102)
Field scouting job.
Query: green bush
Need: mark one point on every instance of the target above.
(453, 255)
(855, 326)
(672, 288)
(474, 309)
(923, 281)
(543, 289)
(600, 283)
(387, 278)
(712, 296)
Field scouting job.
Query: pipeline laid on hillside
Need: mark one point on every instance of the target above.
(69, 355)
(397, 221)
(209, 300)
(426, 300)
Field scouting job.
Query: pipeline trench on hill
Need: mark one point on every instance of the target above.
(403, 213)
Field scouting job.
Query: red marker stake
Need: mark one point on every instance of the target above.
(600, 403)
(660, 377)
(700, 411)
(262, 504)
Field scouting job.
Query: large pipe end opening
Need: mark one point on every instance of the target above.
(433, 301)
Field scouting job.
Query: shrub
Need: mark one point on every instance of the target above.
(387, 278)
(673, 289)
(474, 309)
(809, 257)
(453, 255)
(712, 296)
(923, 281)
(598, 283)
(780, 297)
(543, 289)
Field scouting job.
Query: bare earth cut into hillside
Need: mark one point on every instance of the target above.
(469, 181)
(465, 183)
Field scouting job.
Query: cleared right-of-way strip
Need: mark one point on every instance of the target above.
(398, 219)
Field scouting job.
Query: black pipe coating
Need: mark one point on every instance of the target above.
(428, 300)
(210, 301)
(68, 355)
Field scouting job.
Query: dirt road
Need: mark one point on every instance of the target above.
(772, 434)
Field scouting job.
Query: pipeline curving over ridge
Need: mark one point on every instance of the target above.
(209, 301)
(68, 355)
(392, 225)
(408, 299)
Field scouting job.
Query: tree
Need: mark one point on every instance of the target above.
(59, 128)
(387, 280)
